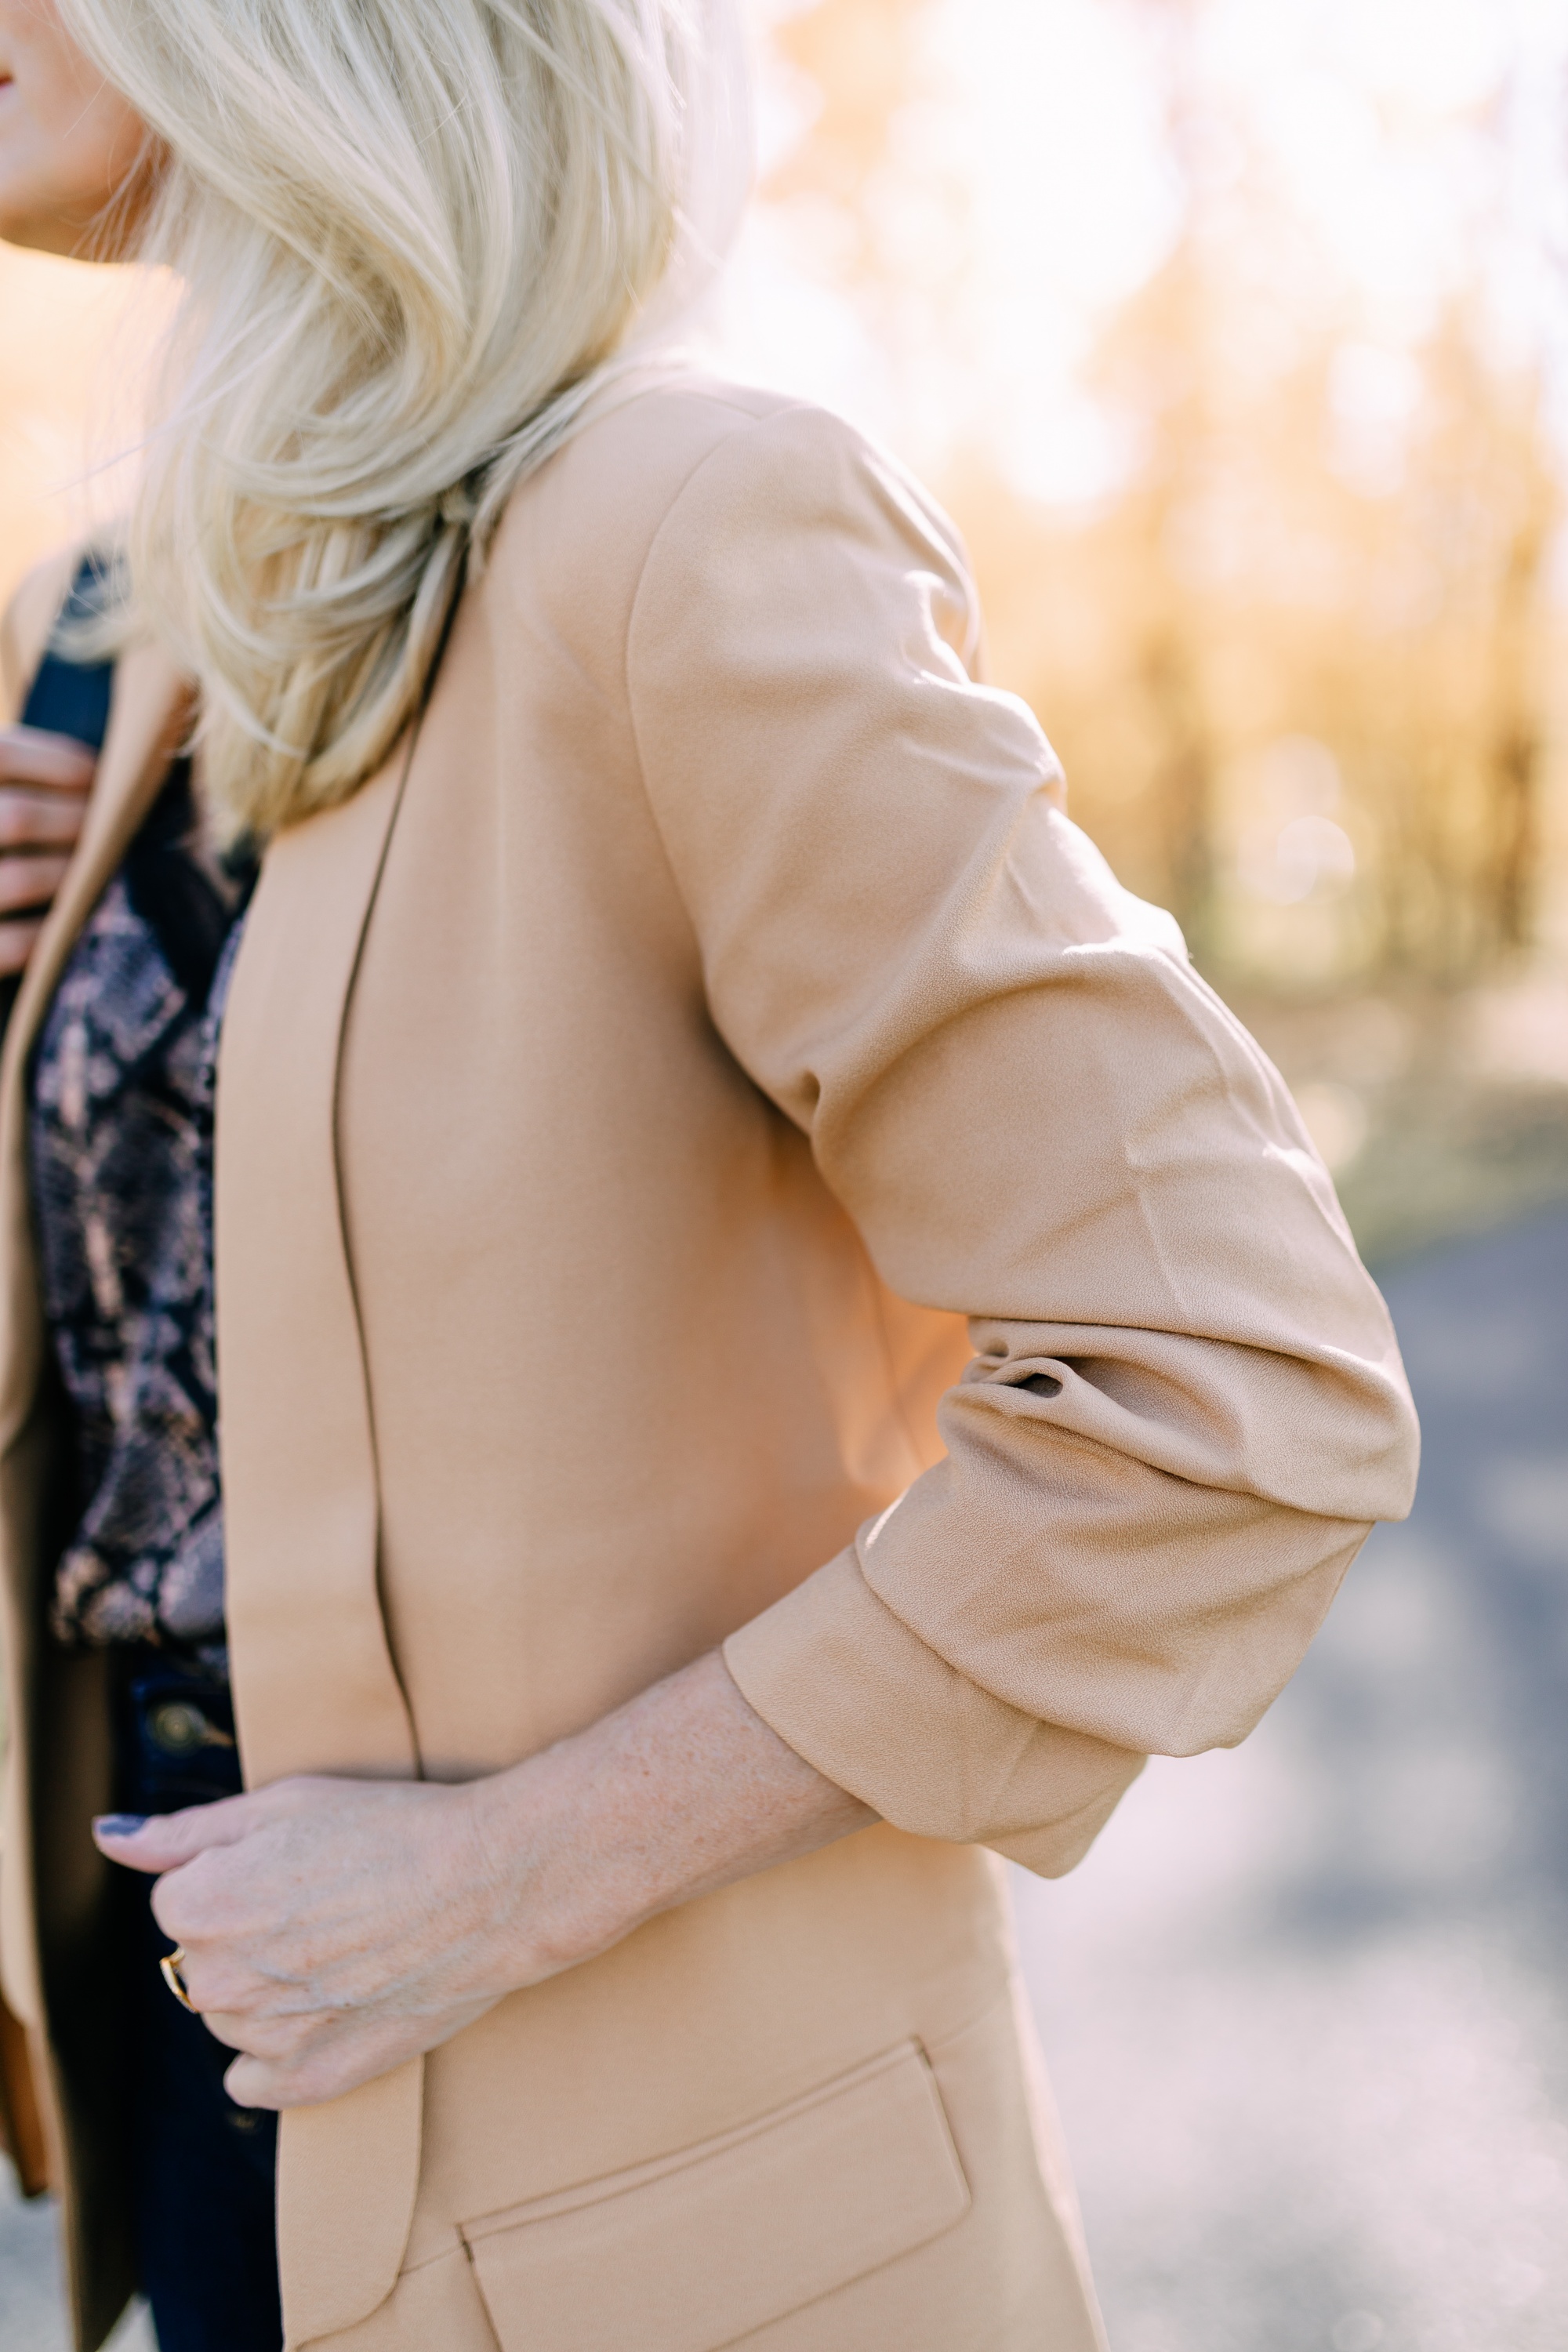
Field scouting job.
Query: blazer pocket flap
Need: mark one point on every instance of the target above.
(690, 2252)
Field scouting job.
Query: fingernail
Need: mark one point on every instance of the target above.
(119, 1824)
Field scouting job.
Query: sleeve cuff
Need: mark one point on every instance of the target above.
(846, 1684)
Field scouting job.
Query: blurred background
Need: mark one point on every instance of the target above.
(1235, 337)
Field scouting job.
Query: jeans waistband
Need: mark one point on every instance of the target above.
(174, 1741)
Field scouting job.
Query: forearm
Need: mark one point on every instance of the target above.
(679, 1792)
(329, 1929)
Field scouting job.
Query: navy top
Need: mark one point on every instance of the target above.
(120, 1153)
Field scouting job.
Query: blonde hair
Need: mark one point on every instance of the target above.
(414, 238)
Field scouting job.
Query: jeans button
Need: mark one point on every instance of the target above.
(179, 1728)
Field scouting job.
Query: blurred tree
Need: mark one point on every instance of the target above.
(1296, 664)
(1520, 632)
(1156, 362)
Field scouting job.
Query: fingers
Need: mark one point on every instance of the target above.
(165, 1841)
(251, 2083)
(275, 2040)
(30, 756)
(17, 944)
(34, 819)
(337, 2057)
(160, 1842)
(30, 881)
(44, 784)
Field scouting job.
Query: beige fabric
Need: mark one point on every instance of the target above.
(925, 2157)
(622, 1101)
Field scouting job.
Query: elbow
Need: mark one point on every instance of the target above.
(1377, 1476)
(1353, 1453)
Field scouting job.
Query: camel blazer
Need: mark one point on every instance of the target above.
(708, 1154)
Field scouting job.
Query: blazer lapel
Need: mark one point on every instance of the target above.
(149, 712)
(315, 1686)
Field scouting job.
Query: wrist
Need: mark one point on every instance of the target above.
(549, 1906)
(672, 1796)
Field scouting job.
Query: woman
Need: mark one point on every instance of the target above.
(671, 999)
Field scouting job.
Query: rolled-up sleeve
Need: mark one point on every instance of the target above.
(1185, 1406)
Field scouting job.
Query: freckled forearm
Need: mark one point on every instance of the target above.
(679, 1792)
(332, 1928)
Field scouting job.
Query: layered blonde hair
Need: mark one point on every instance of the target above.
(414, 239)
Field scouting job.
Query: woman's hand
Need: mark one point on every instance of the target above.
(331, 1929)
(334, 1928)
(44, 784)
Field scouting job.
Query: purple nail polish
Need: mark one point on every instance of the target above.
(120, 1824)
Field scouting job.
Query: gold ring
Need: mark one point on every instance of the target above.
(169, 1968)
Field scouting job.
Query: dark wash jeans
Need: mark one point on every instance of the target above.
(202, 2169)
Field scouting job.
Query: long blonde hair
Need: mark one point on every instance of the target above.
(414, 238)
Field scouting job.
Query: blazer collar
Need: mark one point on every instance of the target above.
(315, 1687)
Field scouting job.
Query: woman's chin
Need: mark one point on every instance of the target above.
(40, 222)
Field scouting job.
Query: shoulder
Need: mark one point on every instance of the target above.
(793, 530)
(27, 620)
(773, 461)
(604, 495)
(688, 463)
